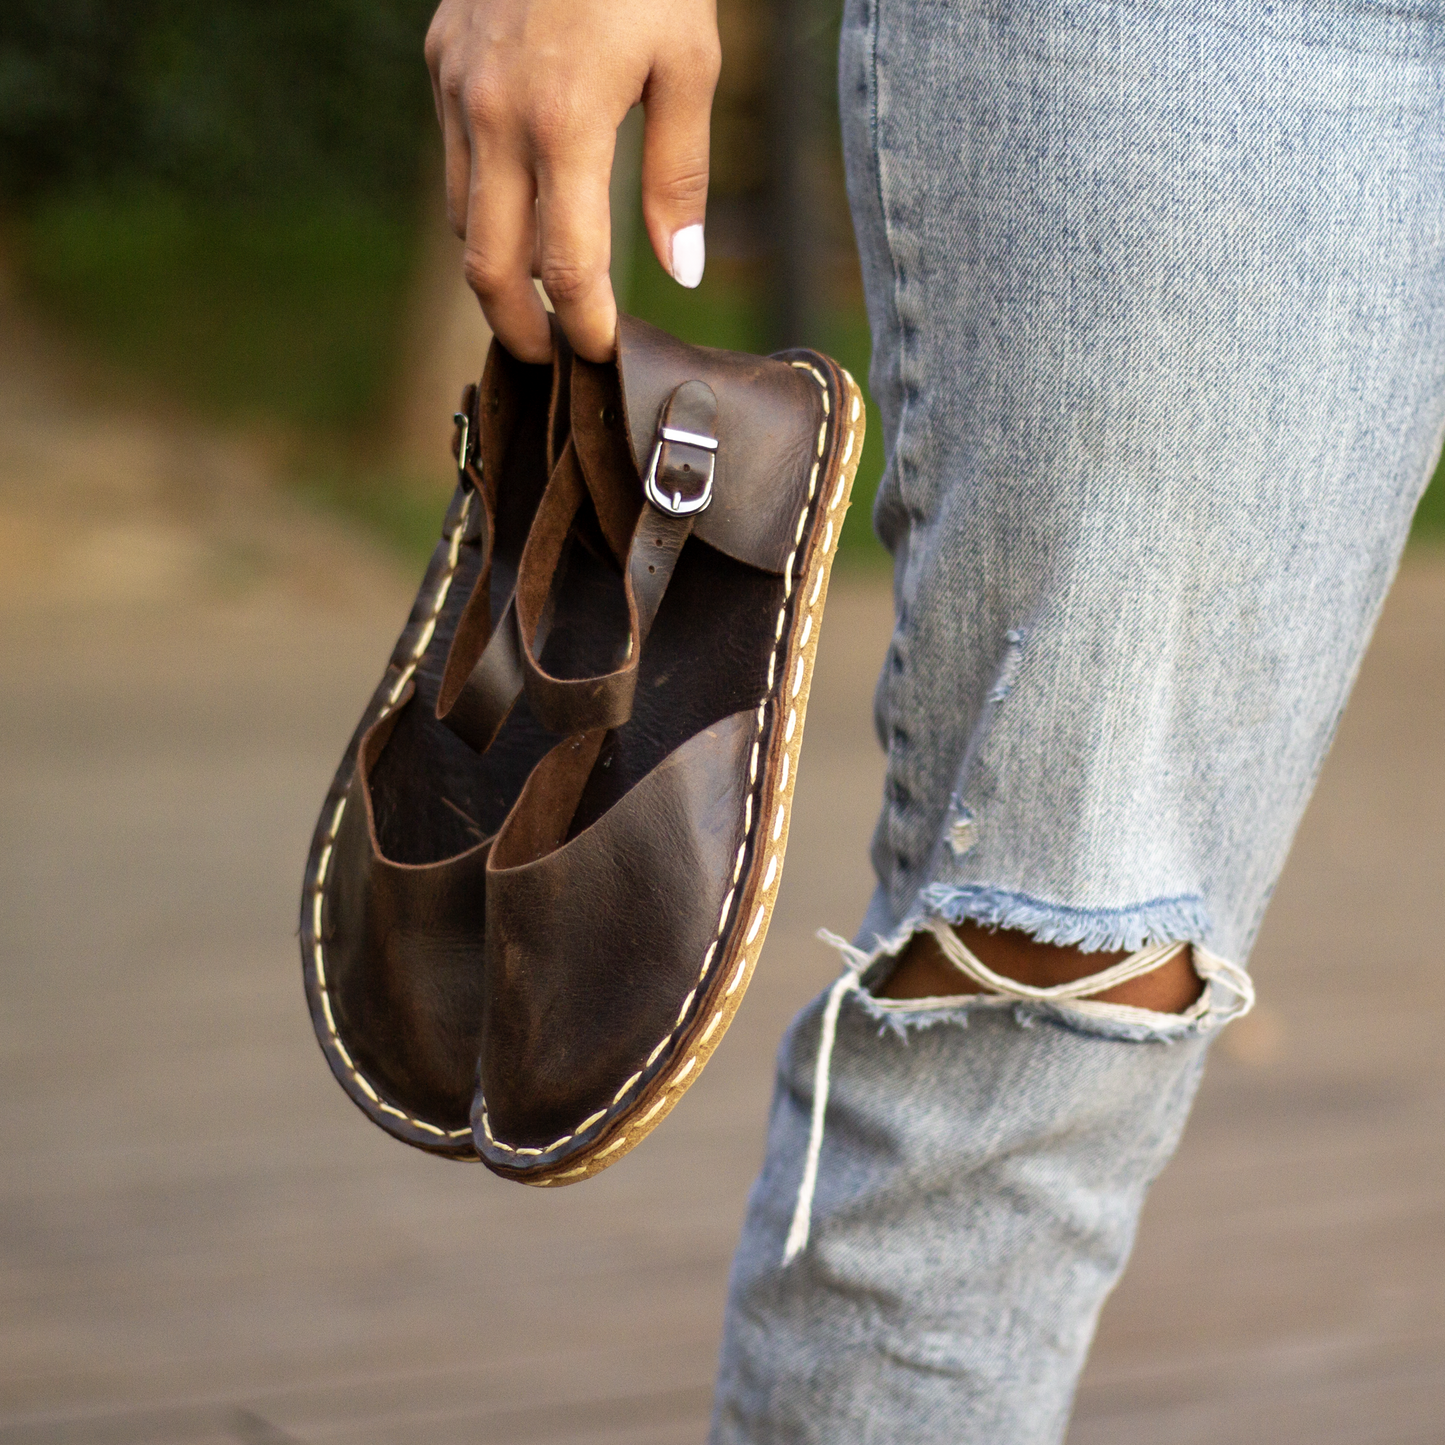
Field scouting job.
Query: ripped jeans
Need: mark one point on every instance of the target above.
(1157, 294)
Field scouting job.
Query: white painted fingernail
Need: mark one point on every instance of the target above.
(688, 254)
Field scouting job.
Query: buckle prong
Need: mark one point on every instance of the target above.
(464, 448)
(674, 503)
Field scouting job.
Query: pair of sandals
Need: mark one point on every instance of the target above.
(542, 877)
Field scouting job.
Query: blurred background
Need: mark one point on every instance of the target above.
(238, 207)
(232, 334)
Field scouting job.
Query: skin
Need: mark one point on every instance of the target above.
(923, 971)
(529, 95)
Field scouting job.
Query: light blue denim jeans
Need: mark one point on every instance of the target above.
(1158, 304)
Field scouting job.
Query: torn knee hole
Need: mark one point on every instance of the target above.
(944, 961)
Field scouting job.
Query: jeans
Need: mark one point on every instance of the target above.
(1157, 293)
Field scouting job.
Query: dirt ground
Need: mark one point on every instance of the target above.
(202, 1241)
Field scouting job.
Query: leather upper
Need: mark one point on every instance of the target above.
(401, 942)
(768, 415)
(592, 943)
(561, 961)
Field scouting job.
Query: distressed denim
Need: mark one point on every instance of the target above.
(1157, 293)
(977, 1198)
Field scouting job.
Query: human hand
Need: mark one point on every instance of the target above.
(529, 94)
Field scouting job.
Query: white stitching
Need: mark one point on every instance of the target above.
(756, 924)
(686, 1004)
(773, 865)
(323, 861)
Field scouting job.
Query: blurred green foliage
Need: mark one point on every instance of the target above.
(256, 99)
(284, 312)
(1430, 518)
(221, 197)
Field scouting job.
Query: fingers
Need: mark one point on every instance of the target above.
(458, 152)
(574, 248)
(529, 94)
(447, 78)
(500, 230)
(678, 99)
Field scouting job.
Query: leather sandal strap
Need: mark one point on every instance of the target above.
(656, 546)
(475, 623)
(564, 704)
(477, 709)
(680, 475)
(475, 703)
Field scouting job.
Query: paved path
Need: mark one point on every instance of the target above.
(202, 1241)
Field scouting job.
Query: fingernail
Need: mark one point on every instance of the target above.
(688, 253)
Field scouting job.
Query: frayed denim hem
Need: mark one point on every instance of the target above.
(902, 1017)
(1227, 995)
(1091, 930)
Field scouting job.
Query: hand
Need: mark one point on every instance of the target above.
(529, 94)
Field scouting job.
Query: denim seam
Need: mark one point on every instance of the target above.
(886, 215)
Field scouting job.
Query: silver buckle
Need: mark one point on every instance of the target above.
(674, 504)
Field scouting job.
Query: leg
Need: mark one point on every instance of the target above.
(924, 972)
(977, 1198)
(1158, 301)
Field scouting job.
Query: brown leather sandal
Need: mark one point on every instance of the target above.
(630, 887)
(393, 906)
